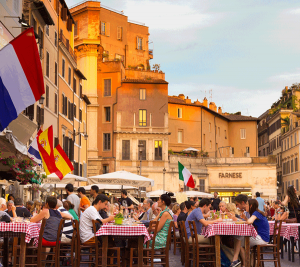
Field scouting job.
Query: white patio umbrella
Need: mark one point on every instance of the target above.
(156, 193)
(198, 194)
(68, 179)
(191, 149)
(121, 178)
(109, 187)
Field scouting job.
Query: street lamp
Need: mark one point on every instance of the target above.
(164, 172)
(41, 101)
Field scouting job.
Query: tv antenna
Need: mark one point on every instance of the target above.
(210, 95)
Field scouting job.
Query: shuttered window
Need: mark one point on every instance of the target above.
(125, 149)
(74, 111)
(120, 33)
(80, 91)
(47, 96)
(106, 141)
(74, 85)
(80, 115)
(202, 185)
(107, 114)
(29, 112)
(55, 78)
(69, 77)
(139, 43)
(143, 154)
(63, 68)
(55, 103)
(47, 64)
(107, 87)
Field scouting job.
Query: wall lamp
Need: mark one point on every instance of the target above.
(85, 136)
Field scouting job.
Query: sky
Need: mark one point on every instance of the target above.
(239, 54)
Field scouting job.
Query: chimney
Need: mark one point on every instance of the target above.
(213, 106)
(181, 96)
(220, 110)
(197, 102)
(205, 102)
(187, 100)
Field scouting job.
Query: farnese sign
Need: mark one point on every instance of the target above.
(230, 175)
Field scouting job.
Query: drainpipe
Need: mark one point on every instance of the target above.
(216, 154)
(113, 126)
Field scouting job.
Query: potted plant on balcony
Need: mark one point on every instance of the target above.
(156, 67)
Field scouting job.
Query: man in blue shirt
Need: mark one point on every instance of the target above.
(261, 202)
(197, 216)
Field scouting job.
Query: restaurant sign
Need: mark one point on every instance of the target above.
(230, 175)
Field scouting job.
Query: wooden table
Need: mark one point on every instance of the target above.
(219, 229)
(138, 232)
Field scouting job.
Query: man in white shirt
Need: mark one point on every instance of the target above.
(92, 213)
(73, 198)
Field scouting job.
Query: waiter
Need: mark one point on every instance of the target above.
(125, 200)
(215, 202)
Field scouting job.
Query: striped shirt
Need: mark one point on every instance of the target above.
(68, 227)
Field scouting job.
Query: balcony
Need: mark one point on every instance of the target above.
(151, 53)
(66, 43)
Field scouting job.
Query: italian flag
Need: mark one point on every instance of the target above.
(185, 176)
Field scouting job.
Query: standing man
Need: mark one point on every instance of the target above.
(84, 201)
(73, 198)
(94, 193)
(215, 201)
(126, 199)
(261, 202)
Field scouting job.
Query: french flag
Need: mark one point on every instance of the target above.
(33, 151)
(21, 77)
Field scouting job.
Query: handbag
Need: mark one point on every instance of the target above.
(292, 220)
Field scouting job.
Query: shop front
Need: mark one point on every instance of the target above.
(230, 180)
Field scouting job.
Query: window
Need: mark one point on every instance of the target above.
(225, 134)
(105, 28)
(107, 87)
(120, 33)
(202, 185)
(105, 168)
(47, 64)
(247, 149)
(286, 187)
(74, 85)
(29, 112)
(295, 138)
(106, 141)
(47, 96)
(125, 149)
(288, 143)
(142, 117)
(296, 164)
(55, 39)
(139, 43)
(209, 127)
(80, 90)
(210, 144)
(293, 183)
(179, 113)
(142, 94)
(107, 114)
(243, 133)
(292, 166)
(75, 109)
(179, 136)
(63, 68)
(297, 184)
(70, 110)
(232, 150)
(55, 78)
(69, 77)
(76, 28)
(143, 155)
(47, 30)
(55, 104)
(291, 141)
(80, 115)
(158, 150)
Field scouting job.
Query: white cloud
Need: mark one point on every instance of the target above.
(294, 11)
(160, 15)
(286, 77)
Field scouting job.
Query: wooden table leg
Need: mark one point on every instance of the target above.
(140, 250)
(104, 250)
(281, 246)
(247, 251)
(289, 249)
(22, 250)
(5, 251)
(218, 250)
(293, 245)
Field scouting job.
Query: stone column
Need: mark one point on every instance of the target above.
(87, 56)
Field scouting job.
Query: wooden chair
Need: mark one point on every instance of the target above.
(90, 250)
(186, 247)
(202, 253)
(176, 240)
(259, 252)
(148, 252)
(182, 245)
(114, 253)
(34, 254)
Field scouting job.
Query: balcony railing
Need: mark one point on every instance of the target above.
(66, 43)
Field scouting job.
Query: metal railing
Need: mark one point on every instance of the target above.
(151, 52)
(66, 43)
(82, 2)
(136, 22)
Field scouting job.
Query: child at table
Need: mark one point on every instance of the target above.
(260, 223)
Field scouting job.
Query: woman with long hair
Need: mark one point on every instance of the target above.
(291, 200)
(260, 223)
(164, 218)
(232, 212)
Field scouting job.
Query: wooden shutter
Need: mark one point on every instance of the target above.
(80, 90)
(137, 42)
(80, 170)
(125, 149)
(69, 24)
(64, 13)
(74, 85)
(102, 30)
(71, 149)
(30, 112)
(41, 116)
(56, 141)
(63, 104)
(107, 29)
(37, 114)
(119, 33)
(66, 106)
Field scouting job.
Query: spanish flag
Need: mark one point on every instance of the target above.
(45, 145)
(62, 162)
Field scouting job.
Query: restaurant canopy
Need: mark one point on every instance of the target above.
(68, 179)
(156, 193)
(121, 177)
(109, 187)
(191, 149)
(198, 194)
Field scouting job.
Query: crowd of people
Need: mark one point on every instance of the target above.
(77, 206)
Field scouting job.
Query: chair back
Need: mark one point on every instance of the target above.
(152, 230)
(194, 234)
(276, 234)
(169, 238)
(95, 231)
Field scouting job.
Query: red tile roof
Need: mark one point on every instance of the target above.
(232, 117)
